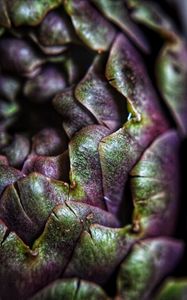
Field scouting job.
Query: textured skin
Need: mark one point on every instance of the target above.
(174, 289)
(71, 289)
(155, 195)
(156, 257)
(82, 120)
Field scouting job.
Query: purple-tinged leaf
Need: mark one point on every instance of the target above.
(19, 56)
(55, 167)
(31, 269)
(96, 94)
(75, 116)
(56, 30)
(155, 186)
(117, 12)
(148, 262)
(171, 74)
(95, 31)
(48, 50)
(17, 150)
(49, 142)
(3, 160)
(152, 16)
(8, 175)
(45, 85)
(26, 12)
(126, 72)
(121, 150)
(26, 204)
(98, 252)
(85, 170)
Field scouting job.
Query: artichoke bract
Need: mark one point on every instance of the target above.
(93, 115)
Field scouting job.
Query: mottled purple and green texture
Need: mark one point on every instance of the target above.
(93, 115)
(148, 263)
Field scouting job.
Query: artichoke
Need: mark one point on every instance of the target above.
(93, 116)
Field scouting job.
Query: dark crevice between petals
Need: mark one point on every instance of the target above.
(181, 228)
(126, 206)
(77, 289)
